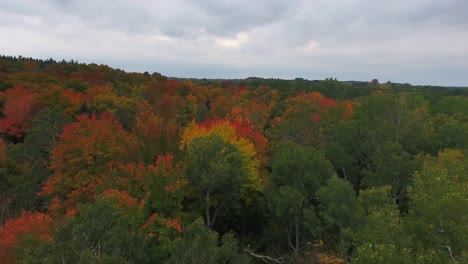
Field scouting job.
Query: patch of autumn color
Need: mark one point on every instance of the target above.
(379, 92)
(167, 107)
(149, 221)
(327, 103)
(314, 101)
(316, 117)
(95, 78)
(328, 259)
(12, 232)
(70, 100)
(137, 177)
(220, 107)
(80, 157)
(318, 107)
(2, 152)
(174, 223)
(227, 131)
(245, 129)
(19, 110)
(95, 91)
(222, 128)
(347, 107)
(123, 198)
(155, 136)
(155, 219)
(157, 186)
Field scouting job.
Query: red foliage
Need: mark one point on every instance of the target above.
(80, 158)
(155, 136)
(68, 99)
(2, 152)
(172, 223)
(35, 224)
(316, 117)
(167, 107)
(19, 110)
(95, 78)
(141, 180)
(243, 128)
(124, 198)
(158, 90)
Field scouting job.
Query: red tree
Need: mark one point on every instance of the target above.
(35, 224)
(19, 110)
(81, 156)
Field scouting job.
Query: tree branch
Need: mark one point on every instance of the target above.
(263, 257)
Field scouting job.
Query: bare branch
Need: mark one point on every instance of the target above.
(264, 258)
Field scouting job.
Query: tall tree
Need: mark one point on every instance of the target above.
(80, 157)
(297, 173)
(215, 172)
(438, 202)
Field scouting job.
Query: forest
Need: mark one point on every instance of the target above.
(99, 165)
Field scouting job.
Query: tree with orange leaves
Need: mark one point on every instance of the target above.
(36, 225)
(305, 118)
(19, 110)
(105, 231)
(155, 136)
(80, 157)
(159, 185)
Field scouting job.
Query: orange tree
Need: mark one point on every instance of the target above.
(80, 157)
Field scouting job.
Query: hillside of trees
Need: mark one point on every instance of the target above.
(98, 165)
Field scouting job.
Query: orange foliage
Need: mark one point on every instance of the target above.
(155, 136)
(68, 99)
(225, 129)
(245, 129)
(79, 159)
(123, 198)
(35, 224)
(172, 223)
(141, 181)
(220, 107)
(19, 110)
(329, 259)
(228, 132)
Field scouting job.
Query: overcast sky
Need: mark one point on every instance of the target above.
(414, 41)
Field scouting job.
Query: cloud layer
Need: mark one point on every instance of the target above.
(418, 41)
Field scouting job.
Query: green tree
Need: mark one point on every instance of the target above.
(101, 232)
(389, 165)
(383, 237)
(215, 173)
(438, 204)
(297, 173)
(339, 207)
(201, 245)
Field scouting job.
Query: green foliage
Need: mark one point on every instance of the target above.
(215, 174)
(339, 207)
(201, 245)
(297, 173)
(383, 236)
(438, 202)
(101, 232)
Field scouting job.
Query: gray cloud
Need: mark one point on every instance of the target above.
(418, 41)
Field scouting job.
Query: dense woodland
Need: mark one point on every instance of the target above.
(98, 165)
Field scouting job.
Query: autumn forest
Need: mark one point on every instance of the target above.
(99, 165)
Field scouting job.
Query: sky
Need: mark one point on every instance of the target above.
(422, 42)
